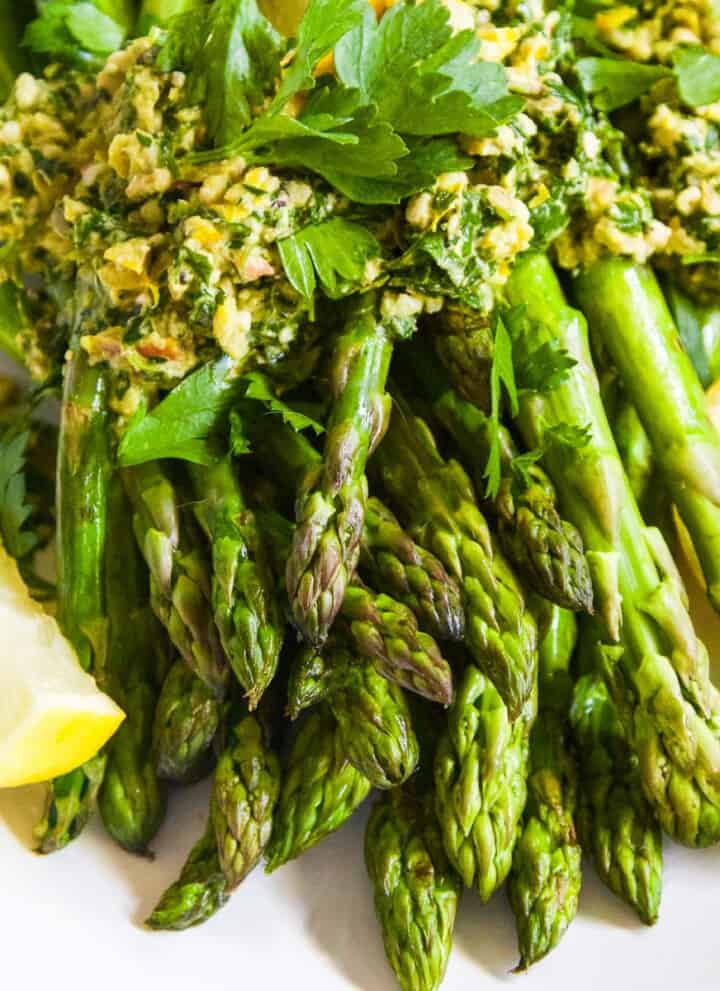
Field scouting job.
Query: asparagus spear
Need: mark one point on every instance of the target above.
(481, 766)
(384, 631)
(373, 716)
(330, 509)
(320, 791)
(416, 891)
(374, 724)
(546, 875)
(699, 329)
(389, 559)
(437, 502)
(545, 549)
(243, 587)
(615, 822)
(465, 344)
(131, 800)
(626, 309)
(83, 474)
(198, 893)
(312, 677)
(179, 580)
(187, 718)
(650, 656)
(245, 792)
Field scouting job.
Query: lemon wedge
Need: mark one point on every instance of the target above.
(712, 405)
(53, 717)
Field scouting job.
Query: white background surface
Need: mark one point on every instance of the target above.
(73, 921)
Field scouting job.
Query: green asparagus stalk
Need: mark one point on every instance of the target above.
(243, 587)
(546, 872)
(312, 678)
(373, 716)
(416, 891)
(699, 329)
(187, 718)
(625, 308)
(245, 792)
(199, 892)
(179, 579)
(131, 800)
(389, 559)
(464, 342)
(374, 723)
(649, 654)
(615, 823)
(634, 448)
(320, 791)
(83, 474)
(437, 502)
(384, 631)
(481, 767)
(545, 549)
(330, 509)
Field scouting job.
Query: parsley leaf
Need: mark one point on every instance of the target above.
(237, 66)
(544, 367)
(613, 83)
(260, 388)
(698, 75)
(324, 24)
(439, 86)
(568, 435)
(337, 251)
(379, 132)
(185, 424)
(501, 375)
(80, 33)
(522, 463)
(14, 509)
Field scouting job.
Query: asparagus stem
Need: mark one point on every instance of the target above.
(389, 559)
(199, 892)
(179, 579)
(626, 309)
(436, 501)
(546, 874)
(649, 654)
(374, 722)
(615, 823)
(385, 632)
(481, 768)
(131, 800)
(83, 475)
(243, 587)
(545, 549)
(416, 890)
(320, 791)
(245, 792)
(331, 500)
(187, 717)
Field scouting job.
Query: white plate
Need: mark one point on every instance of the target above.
(72, 921)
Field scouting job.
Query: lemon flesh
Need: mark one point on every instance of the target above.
(53, 717)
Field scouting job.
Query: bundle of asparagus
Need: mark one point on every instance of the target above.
(393, 499)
